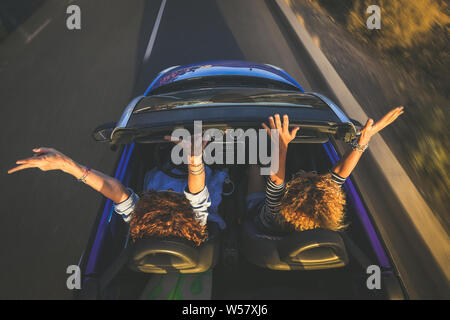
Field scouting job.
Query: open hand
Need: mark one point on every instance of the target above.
(44, 158)
(284, 136)
(194, 147)
(370, 128)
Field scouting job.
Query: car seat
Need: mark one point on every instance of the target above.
(306, 250)
(156, 255)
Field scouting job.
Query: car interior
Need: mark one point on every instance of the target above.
(246, 263)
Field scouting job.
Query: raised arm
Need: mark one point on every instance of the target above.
(196, 176)
(348, 162)
(284, 137)
(48, 159)
(194, 149)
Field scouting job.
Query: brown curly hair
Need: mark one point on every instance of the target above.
(163, 214)
(312, 201)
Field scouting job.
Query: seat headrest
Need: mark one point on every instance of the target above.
(313, 248)
(305, 250)
(163, 255)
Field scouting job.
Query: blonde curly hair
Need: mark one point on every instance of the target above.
(312, 201)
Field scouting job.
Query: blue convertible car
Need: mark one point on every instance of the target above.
(239, 262)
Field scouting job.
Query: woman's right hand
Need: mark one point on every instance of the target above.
(44, 159)
(47, 159)
(194, 147)
(284, 135)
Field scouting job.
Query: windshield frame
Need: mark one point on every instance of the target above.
(329, 119)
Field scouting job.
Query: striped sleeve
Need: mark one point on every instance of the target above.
(274, 194)
(337, 178)
(125, 208)
(200, 202)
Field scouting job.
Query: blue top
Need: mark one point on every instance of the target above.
(205, 203)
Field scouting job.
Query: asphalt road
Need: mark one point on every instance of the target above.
(57, 85)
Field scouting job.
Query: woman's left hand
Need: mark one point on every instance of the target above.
(371, 129)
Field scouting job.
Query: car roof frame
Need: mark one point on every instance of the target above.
(126, 115)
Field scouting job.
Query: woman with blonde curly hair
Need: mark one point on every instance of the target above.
(309, 200)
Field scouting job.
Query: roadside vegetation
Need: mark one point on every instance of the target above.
(415, 36)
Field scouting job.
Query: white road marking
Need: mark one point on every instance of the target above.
(35, 33)
(151, 42)
(420, 214)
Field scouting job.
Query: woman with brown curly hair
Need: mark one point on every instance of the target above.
(158, 213)
(309, 200)
(164, 214)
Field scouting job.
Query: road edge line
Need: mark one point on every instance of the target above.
(151, 41)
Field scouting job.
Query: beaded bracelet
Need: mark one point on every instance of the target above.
(85, 174)
(359, 148)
